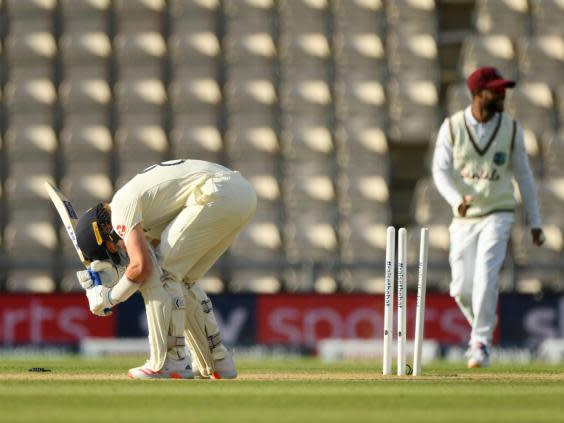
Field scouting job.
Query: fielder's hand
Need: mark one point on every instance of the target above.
(99, 300)
(465, 205)
(538, 236)
(108, 273)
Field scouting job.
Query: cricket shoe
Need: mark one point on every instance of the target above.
(172, 369)
(478, 356)
(224, 368)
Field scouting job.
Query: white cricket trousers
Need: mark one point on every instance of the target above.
(477, 252)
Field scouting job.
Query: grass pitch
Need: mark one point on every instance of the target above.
(80, 390)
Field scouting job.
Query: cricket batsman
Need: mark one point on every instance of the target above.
(160, 234)
(479, 151)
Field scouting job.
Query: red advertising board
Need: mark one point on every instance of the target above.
(55, 319)
(305, 319)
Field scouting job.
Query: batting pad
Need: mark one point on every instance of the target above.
(196, 334)
(158, 307)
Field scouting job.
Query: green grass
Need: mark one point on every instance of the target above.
(78, 390)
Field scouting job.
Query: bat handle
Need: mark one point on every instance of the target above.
(95, 277)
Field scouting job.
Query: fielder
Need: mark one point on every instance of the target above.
(479, 150)
(160, 234)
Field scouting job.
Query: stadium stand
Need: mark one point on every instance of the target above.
(329, 107)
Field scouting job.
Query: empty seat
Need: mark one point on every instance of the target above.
(413, 56)
(488, 50)
(362, 279)
(86, 9)
(195, 44)
(532, 105)
(135, 14)
(429, 207)
(299, 14)
(367, 15)
(439, 244)
(309, 237)
(87, 183)
(250, 91)
(85, 95)
(85, 50)
(30, 138)
(260, 240)
(413, 110)
(309, 187)
(140, 53)
(29, 235)
(33, 96)
(86, 138)
(541, 59)
(411, 16)
(548, 16)
(250, 49)
(307, 47)
(140, 95)
(359, 93)
(307, 138)
(193, 10)
(363, 237)
(526, 253)
(361, 49)
(553, 154)
(458, 97)
(139, 138)
(560, 104)
(303, 93)
(505, 17)
(31, 281)
(251, 136)
(30, 9)
(197, 92)
(196, 136)
(262, 281)
(37, 48)
(365, 189)
(25, 182)
(249, 10)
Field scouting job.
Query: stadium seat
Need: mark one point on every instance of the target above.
(251, 135)
(531, 104)
(30, 236)
(141, 139)
(30, 96)
(488, 50)
(87, 183)
(85, 137)
(30, 281)
(363, 237)
(194, 44)
(509, 18)
(541, 59)
(196, 92)
(307, 137)
(413, 57)
(429, 207)
(306, 92)
(31, 48)
(25, 181)
(413, 110)
(85, 49)
(458, 97)
(250, 90)
(85, 95)
(367, 15)
(196, 136)
(553, 154)
(39, 9)
(411, 17)
(359, 93)
(140, 95)
(255, 280)
(310, 237)
(30, 138)
(548, 16)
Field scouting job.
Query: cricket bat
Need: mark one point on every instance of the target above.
(70, 219)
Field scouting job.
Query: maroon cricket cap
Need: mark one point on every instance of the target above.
(487, 77)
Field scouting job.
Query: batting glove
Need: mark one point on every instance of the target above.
(108, 273)
(99, 300)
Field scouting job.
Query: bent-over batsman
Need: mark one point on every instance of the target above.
(173, 220)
